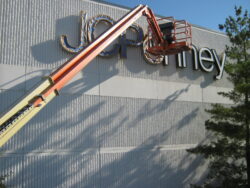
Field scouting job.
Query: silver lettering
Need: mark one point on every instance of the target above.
(204, 58)
(166, 60)
(208, 58)
(220, 66)
(83, 42)
(184, 63)
(179, 60)
(195, 59)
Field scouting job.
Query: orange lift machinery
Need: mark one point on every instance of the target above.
(166, 38)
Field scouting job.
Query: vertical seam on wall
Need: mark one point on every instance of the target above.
(99, 120)
(1, 36)
(202, 100)
(28, 26)
(99, 116)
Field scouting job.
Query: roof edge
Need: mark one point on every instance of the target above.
(160, 16)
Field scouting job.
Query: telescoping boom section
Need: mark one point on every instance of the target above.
(162, 41)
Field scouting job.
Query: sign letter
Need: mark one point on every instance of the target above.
(220, 66)
(208, 58)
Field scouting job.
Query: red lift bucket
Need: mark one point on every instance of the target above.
(177, 37)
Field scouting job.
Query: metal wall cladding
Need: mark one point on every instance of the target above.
(131, 169)
(84, 122)
(91, 137)
(139, 122)
(51, 171)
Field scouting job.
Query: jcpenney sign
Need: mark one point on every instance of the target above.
(204, 58)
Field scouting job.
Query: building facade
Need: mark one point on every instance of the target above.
(121, 122)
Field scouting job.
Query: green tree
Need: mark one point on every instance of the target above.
(2, 178)
(228, 149)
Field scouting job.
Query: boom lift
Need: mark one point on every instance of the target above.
(163, 39)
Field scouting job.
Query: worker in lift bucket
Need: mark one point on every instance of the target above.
(166, 29)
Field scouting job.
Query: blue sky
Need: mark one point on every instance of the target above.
(205, 13)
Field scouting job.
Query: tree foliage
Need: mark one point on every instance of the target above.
(2, 178)
(228, 150)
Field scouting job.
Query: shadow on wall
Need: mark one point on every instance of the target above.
(50, 51)
(81, 126)
(77, 128)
